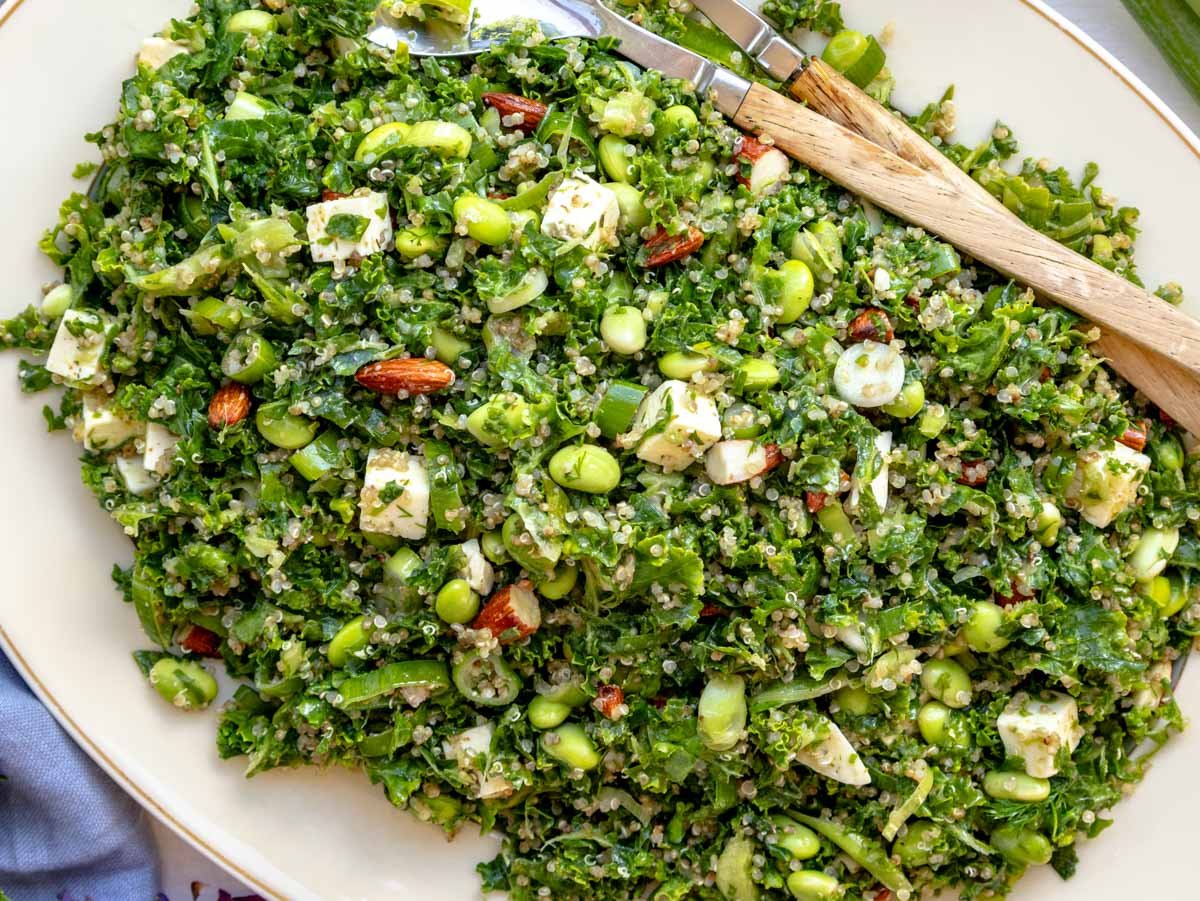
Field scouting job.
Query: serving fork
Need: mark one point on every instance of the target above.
(841, 132)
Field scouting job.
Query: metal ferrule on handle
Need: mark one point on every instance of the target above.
(725, 89)
(776, 55)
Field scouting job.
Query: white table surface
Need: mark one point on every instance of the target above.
(1105, 20)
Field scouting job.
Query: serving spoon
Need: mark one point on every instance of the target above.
(854, 141)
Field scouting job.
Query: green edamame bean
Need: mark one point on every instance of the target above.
(623, 329)
(755, 375)
(557, 584)
(1005, 786)
(501, 419)
(402, 564)
(447, 346)
(634, 215)
(947, 681)
(683, 364)
(284, 429)
(570, 745)
(443, 138)
(485, 221)
(493, 547)
(798, 840)
(585, 467)
(381, 142)
(546, 714)
(57, 301)
(855, 700)
(915, 847)
(1049, 520)
(792, 290)
(456, 602)
(721, 713)
(982, 628)
(184, 683)
(908, 402)
(675, 120)
(813, 885)
(350, 639)
(1022, 846)
(420, 241)
(939, 726)
(617, 160)
(252, 21)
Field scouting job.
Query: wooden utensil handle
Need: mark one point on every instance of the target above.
(836, 97)
(987, 233)
(831, 94)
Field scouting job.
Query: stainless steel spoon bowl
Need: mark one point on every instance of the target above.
(492, 21)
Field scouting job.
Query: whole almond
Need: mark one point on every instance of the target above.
(665, 247)
(610, 701)
(201, 641)
(532, 111)
(511, 613)
(229, 406)
(774, 457)
(871, 325)
(1134, 438)
(415, 375)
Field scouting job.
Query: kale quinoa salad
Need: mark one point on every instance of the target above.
(516, 431)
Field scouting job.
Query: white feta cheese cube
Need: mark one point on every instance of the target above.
(395, 495)
(879, 482)
(478, 570)
(1037, 728)
(376, 234)
(471, 750)
(674, 426)
(159, 448)
(79, 344)
(101, 428)
(157, 51)
(582, 210)
(1107, 481)
(138, 480)
(835, 758)
(731, 462)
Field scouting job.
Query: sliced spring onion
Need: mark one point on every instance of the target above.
(862, 850)
(373, 689)
(618, 406)
(856, 55)
(912, 802)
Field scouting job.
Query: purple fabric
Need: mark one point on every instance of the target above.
(65, 827)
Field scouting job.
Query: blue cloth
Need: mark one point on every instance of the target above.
(65, 828)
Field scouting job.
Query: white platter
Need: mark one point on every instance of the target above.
(330, 835)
